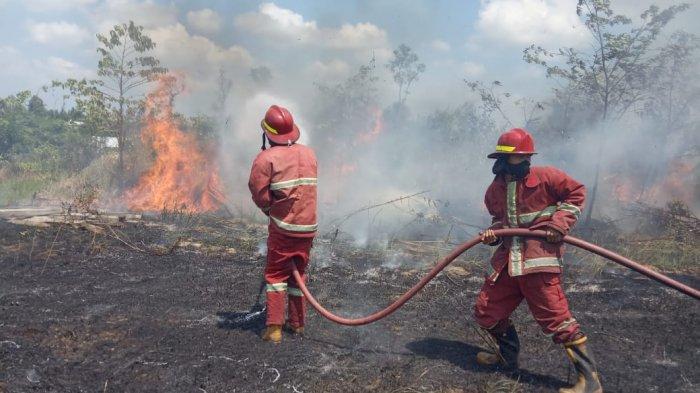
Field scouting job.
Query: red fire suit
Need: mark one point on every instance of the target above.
(530, 268)
(283, 185)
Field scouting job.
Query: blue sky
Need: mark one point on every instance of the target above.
(302, 42)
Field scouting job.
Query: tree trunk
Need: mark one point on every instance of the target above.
(596, 178)
(121, 140)
(594, 190)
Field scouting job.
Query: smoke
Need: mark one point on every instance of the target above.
(377, 151)
(372, 149)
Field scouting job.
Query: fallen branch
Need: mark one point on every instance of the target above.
(114, 235)
(51, 248)
(370, 207)
(159, 253)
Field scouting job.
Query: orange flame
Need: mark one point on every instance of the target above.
(182, 176)
(371, 135)
(675, 184)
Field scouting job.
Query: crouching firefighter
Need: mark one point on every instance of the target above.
(530, 268)
(283, 185)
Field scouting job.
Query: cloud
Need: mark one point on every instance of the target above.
(52, 5)
(63, 68)
(472, 69)
(20, 72)
(440, 46)
(283, 25)
(550, 23)
(334, 70)
(200, 59)
(204, 21)
(177, 48)
(57, 33)
(144, 13)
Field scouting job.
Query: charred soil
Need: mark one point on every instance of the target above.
(145, 306)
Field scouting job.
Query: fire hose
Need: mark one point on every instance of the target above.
(668, 281)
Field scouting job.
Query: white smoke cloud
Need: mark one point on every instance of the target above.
(440, 45)
(53, 5)
(57, 33)
(282, 25)
(522, 22)
(204, 21)
(200, 59)
(144, 13)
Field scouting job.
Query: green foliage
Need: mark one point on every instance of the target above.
(204, 127)
(406, 69)
(110, 104)
(466, 124)
(612, 74)
(347, 106)
(122, 65)
(90, 103)
(492, 100)
(673, 78)
(21, 188)
(39, 145)
(36, 105)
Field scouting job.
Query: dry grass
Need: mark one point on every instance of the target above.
(502, 385)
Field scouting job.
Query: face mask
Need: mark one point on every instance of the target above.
(499, 167)
(518, 171)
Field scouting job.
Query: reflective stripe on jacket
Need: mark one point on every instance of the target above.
(283, 185)
(547, 197)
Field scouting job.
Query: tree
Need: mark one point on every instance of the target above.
(406, 70)
(672, 74)
(90, 103)
(344, 105)
(123, 67)
(36, 105)
(492, 101)
(612, 75)
(223, 90)
(342, 110)
(35, 141)
(674, 91)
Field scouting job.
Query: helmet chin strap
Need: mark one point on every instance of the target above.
(263, 147)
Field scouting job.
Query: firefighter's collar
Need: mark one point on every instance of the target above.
(531, 180)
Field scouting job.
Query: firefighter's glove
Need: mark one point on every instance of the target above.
(488, 237)
(554, 236)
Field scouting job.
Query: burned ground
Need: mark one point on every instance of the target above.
(143, 306)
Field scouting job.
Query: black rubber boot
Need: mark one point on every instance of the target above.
(586, 371)
(506, 338)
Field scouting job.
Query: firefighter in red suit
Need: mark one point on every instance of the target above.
(283, 185)
(530, 268)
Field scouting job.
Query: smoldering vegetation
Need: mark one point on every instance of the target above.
(622, 118)
(625, 123)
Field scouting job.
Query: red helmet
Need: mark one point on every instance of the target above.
(279, 126)
(514, 141)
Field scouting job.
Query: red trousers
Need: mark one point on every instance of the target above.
(282, 253)
(543, 294)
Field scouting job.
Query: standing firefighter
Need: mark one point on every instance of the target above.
(530, 268)
(283, 185)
